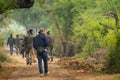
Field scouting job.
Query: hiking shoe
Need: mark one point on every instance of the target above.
(46, 73)
(41, 75)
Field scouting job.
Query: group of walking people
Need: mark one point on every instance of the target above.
(42, 43)
(13, 42)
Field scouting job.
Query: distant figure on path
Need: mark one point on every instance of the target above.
(17, 44)
(50, 45)
(28, 45)
(11, 42)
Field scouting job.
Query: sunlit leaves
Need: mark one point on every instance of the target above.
(7, 5)
(14, 28)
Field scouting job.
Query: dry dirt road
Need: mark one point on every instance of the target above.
(18, 70)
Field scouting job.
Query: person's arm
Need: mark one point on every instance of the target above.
(34, 43)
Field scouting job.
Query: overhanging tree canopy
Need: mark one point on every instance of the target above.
(14, 4)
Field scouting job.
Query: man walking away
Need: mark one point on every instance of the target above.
(50, 45)
(40, 42)
(17, 44)
(10, 42)
(28, 41)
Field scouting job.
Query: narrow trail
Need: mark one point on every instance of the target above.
(18, 70)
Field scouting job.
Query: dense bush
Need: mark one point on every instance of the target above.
(113, 58)
(3, 57)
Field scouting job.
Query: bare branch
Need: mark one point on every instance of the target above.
(115, 16)
(106, 26)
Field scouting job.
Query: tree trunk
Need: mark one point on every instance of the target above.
(63, 45)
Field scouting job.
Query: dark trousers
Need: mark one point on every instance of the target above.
(11, 49)
(42, 56)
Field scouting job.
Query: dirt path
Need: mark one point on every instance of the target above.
(18, 70)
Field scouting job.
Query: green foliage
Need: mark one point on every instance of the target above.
(65, 15)
(34, 17)
(113, 59)
(13, 28)
(4, 20)
(3, 57)
(1, 42)
(7, 5)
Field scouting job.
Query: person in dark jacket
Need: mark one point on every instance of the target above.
(11, 42)
(41, 41)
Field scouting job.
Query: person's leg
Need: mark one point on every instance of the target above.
(16, 50)
(27, 55)
(45, 59)
(11, 49)
(40, 64)
(30, 56)
(27, 59)
(51, 48)
(33, 56)
(22, 52)
(48, 53)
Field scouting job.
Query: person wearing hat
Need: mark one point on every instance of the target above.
(40, 42)
(28, 45)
